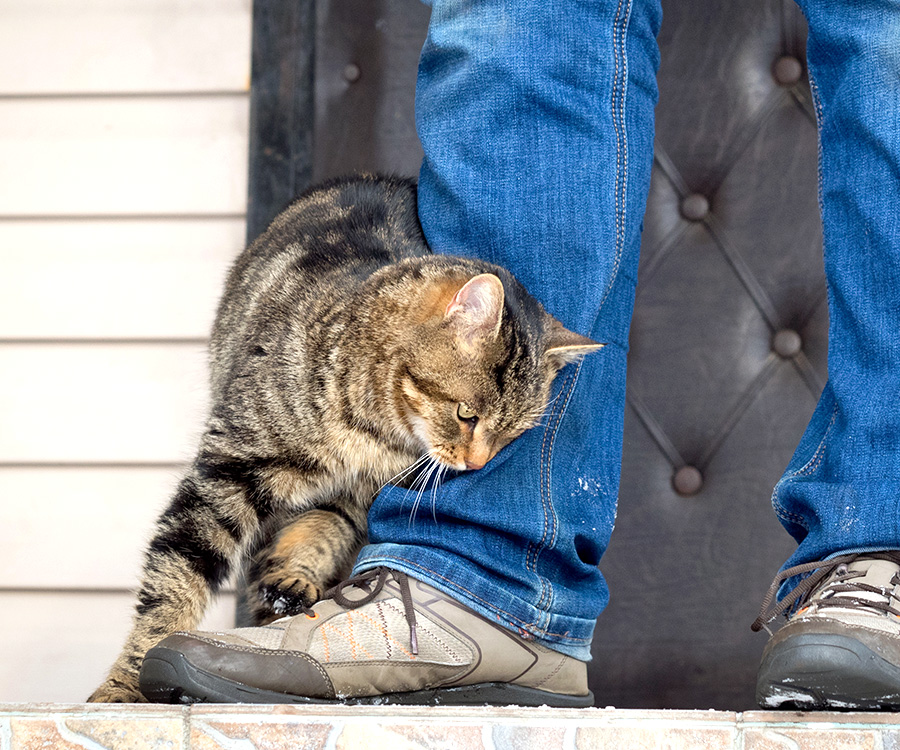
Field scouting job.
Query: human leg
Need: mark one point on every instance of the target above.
(841, 491)
(536, 122)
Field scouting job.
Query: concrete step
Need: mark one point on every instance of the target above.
(244, 727)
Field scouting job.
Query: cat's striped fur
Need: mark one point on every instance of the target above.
(340, 355)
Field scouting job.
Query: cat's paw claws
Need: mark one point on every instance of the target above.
(289, 597)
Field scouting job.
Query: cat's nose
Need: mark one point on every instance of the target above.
(473, 465)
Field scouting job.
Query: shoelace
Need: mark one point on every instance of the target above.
(843, 584)
(379, 576)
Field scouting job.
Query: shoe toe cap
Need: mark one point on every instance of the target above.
(290, 672)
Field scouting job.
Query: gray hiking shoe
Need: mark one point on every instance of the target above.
(841, 647)
(378, 638)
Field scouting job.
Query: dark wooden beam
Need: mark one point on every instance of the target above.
(281, 107)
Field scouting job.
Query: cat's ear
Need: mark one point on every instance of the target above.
(565, 346)
(476, 309)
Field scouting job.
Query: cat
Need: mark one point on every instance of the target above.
(343, 353)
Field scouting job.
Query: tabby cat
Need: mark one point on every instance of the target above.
(343, 353)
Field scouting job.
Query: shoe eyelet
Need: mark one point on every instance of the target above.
(313, 616)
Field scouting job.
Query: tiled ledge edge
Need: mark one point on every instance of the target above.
(244, 727)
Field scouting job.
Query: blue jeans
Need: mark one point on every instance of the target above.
(537, 125)
(841, 490)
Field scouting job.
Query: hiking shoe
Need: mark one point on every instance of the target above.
(840, 649)
(377, 638)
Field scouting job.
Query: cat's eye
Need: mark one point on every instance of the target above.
(466, 414)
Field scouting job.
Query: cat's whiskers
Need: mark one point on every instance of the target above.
(536, 418)
(421, 477)
(550, 403)
(422, 482)
(434, 467)
(442, 471)
(403, 473)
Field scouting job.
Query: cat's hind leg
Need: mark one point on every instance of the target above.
(215, 512)
(312, 551)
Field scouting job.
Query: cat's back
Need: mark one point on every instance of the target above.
(316, 251)
(342, 225)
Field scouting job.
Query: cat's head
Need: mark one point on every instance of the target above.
(478, 369)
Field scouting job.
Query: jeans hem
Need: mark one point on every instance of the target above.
(568, 635)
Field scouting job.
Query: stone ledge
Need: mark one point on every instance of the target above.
(246, 727)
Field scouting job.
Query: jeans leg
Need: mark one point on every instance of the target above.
(537, 123)
(841, 490)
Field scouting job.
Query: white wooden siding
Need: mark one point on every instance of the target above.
(101, 279)
(79, 527)
(115, 46)
(58, 646)
(101, 403)
(123, 160)
(102, 156)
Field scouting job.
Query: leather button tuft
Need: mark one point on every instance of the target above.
(687, 481)
(694, 207)
(787, 343)
(352, 73)
(788, 70)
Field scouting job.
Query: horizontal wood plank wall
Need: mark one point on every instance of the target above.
(58, 645)
(123, 180)
(125, 279)
(112, 47)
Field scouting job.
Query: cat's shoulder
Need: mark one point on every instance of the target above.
(358, 199)
(366, 217)
(362, 188)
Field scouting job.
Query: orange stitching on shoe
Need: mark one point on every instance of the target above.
(383, 630)
(348, 638)
(380, 611)
(350, 635)
(351, 638)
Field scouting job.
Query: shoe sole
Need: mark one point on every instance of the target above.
(168, 677)
(816, 672)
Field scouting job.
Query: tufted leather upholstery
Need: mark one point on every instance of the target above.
(728, 346)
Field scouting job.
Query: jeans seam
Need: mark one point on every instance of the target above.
(808, 468)
(492, 605)
(562, 415)
(546, 600)
(817, 108)
(816, 460)
(619, 93)
(620, 30)
(533, 551)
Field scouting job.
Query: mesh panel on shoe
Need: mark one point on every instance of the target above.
(379, 631)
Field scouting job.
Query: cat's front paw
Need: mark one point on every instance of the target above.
(117, 692)
(283, 597)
